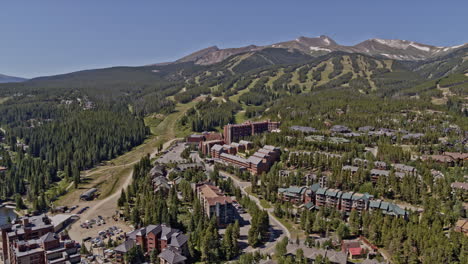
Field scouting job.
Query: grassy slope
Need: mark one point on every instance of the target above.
(111, 175)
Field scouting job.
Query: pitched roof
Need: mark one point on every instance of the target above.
(254, 160)
(350, 168)
(459, 185)
(309, 205)
(217, 147)
(171, 256)
(355, 251)
(270, 147)
(321, 191)
(48, 237)
(233, 157)
(178, 240)
(303, 129)
(315, 187)
(125, 246)
(293, 189)
(380, 172)
(347, 195)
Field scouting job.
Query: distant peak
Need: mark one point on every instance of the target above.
(322, 40)
(212, 48)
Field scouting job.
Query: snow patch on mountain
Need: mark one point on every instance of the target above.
(319, 49)
(423, 48)
(394, 43)
(456, 47)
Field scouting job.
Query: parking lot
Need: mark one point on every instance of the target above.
(173, 154)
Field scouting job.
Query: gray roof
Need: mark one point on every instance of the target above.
(293, 189)
(254, 160)
(303, 129)
(403, 167)
(339, 128)
(270, 147)
(350, 168)
(172, 256)
(260, 154)
(233, 157)
(125, 246)
(362, 196)
(347, 195)
(366, 128)
(48, 237)
(380, 172)
(333, 193)
(166, 232)
(315, 187)
(157, 170)
(321, 191)
(178, 240)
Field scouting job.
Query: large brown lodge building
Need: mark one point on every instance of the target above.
(223, 148)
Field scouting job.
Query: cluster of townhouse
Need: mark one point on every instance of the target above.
(257, 163)
(160, 172)
(215, 203)
(381, 169)
(32, 239)
(170, 242)
(317, 196)
(372, 131)
(450, 158)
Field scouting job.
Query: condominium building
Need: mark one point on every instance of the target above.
(257, 163)
(235, 132)
(170, 242)
(348, 201)
(216, 204)
(31, 239)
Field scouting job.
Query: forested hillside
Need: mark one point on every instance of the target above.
(56, 126)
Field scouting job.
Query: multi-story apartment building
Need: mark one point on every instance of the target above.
(205, 146)
(294, 194)
(235, 132)
(31, 239)
(216, 204)
(348, 201)
(259, 162)
(171, 242)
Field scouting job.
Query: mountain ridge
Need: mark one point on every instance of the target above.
(6, 79)
(389, 48)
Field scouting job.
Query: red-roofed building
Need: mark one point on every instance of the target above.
(355, 252)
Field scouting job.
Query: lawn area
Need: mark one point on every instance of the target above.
(294, 229)
(264, 203)
(240, 117)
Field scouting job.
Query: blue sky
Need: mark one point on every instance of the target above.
(50, 37)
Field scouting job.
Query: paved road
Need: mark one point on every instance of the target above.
(277, 230)
(105, 207)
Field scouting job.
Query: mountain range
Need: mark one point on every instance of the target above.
(7, 79)
(388, 48)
